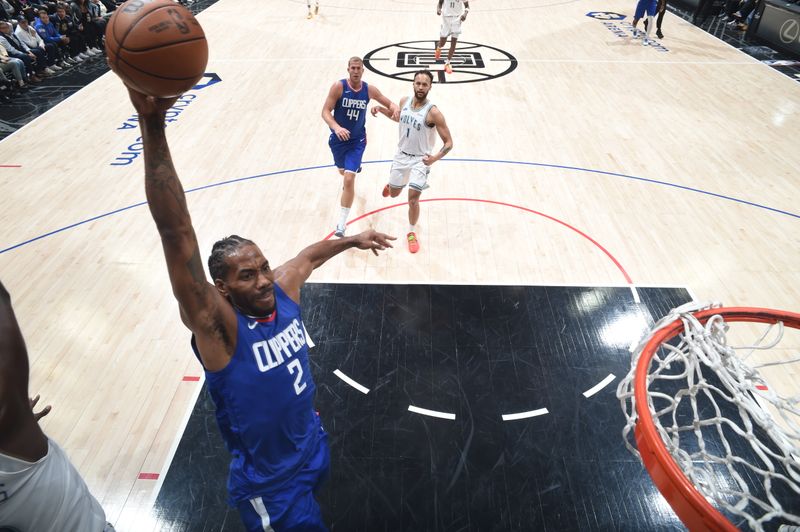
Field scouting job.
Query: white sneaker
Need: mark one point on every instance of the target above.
(83, 56)
(49, 72)
(94, 51)
(56, 68)
(339, 231)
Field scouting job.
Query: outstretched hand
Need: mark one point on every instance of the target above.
(373, 240)
(395, 112)
(150, 105)
(43, 412)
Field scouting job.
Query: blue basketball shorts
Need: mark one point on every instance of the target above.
(651, 6)
(347, 155)
(302, 514)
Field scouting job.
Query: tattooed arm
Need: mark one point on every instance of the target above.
(437, 120)
(203, 309)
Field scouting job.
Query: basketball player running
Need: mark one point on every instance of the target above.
(412, 162)
(40, 489)
(661, 8)
(316, 8)
(648, 6)
(453, 12)
(248, 333)
(345, 113)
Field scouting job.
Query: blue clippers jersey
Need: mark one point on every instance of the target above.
(264, 399)
(351, 110)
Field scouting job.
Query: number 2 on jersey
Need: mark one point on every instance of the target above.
(294, 366)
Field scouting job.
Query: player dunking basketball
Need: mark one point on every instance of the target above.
(642, 7)
(248, 333)
(345, 113)
(419, 121)
(453, 13)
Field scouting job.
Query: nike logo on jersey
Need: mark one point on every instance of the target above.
(252, 325)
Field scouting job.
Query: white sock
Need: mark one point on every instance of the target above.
(412, 229)
(649, 26)
(343, 214)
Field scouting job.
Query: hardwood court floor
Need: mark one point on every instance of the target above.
(597, 162)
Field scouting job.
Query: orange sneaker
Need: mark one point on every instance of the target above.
(413, 243)
(448, 68)
(437, 54)
(386, 191)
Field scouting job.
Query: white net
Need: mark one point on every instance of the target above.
(733, 435)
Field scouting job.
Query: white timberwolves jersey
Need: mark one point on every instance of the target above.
(416, 137)
(47, 495)
(452, 8)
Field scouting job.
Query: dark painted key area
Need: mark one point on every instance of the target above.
(477, 352)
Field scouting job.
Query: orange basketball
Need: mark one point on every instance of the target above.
(156, 46)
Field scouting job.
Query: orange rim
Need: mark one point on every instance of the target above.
(688, 503)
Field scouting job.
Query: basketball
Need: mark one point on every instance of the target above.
(157, 47)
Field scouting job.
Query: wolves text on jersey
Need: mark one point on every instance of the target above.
(410, 120)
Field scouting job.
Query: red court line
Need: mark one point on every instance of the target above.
(191, 378)
(148, 476)
(10, 166)
(504, 204)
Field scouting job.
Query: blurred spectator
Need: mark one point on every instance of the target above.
(49, 33)
(74, 46)
(13, 65)
(35, 61)
(91, 29)
(31, 39)
(9, 10)
(742, 17)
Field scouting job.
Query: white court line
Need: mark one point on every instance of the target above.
(571, 60)
(176, 440)
(691, 293)
(309, 341)
(351, 382)
(523, 415)
(635, 344)
(599, 386)
(635, 294)
(321, 279)
(432, 413)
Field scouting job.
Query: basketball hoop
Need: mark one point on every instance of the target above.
(720, 444)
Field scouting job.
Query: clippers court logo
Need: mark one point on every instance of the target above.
(605, 15)
(471, 62)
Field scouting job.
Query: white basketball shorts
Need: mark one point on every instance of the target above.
(451, 26)
(408, 169)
